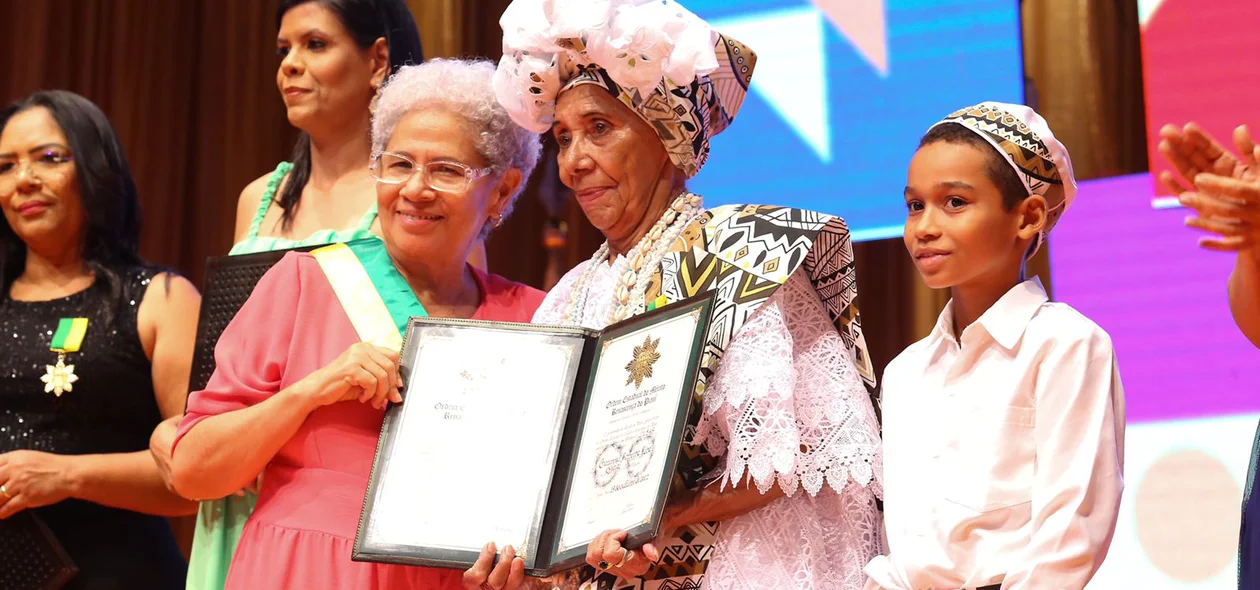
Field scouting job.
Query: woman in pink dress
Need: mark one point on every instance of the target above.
(303, 377)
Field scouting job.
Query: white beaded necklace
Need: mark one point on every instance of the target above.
(643, 260)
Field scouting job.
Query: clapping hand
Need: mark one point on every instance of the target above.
(1223, 189)
(1227, 207)
(1193, 152)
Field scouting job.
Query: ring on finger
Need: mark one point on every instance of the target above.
(5, 490)
(625, 556)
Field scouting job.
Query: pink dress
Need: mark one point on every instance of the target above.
(301, 533)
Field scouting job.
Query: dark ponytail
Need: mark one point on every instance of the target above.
(366, 21)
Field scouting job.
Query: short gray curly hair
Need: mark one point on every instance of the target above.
(464, 86)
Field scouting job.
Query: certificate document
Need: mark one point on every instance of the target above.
(478, 427)
(628, 426)
(539, 437)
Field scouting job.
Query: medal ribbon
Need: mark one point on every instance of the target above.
(69, 335)
(661, 301)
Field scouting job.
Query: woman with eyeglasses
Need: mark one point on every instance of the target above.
(303, 375)
(96, 349)
(332, 55)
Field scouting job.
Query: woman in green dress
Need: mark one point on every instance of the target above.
(334, 56)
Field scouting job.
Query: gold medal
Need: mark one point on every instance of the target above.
(60, 377)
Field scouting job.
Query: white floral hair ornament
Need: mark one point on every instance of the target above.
(665, 63)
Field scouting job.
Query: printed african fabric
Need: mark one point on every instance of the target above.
(1023, 148)
(687, 116)
(744, 253)
(659, 59)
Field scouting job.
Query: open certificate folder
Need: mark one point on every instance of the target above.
(539, 437)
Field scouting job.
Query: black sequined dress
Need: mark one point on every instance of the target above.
(111, 409)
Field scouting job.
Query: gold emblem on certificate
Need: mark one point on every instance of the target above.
(593, 422)
(640, 367)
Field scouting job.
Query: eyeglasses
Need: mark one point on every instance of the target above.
(45, 165)
(447, 177)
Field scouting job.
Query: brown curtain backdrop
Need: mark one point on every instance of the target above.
(190, 87)
(1085, 60)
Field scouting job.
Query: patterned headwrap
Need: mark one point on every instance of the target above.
(660, 60)
(1025, 140)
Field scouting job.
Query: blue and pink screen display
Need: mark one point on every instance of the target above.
(842, 92)
(1126, 260)
(1191, 382)
(1136, 271)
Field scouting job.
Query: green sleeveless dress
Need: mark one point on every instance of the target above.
(255, 243)
(219, 522)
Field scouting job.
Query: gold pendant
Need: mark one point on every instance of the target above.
(60, 377)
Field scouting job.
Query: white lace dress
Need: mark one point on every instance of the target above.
(786, 407)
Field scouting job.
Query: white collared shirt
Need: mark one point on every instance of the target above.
(1003, 457)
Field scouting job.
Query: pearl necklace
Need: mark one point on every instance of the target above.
(643, 260)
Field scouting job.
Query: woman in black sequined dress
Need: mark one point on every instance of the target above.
(80, 458)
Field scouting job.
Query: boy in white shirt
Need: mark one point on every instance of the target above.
(1004, 428)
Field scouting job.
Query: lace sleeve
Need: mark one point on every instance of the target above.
(556, 303)
(787, 403)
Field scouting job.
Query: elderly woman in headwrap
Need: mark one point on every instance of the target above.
(777, 485)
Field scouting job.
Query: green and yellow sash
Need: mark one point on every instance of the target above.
(373, 293)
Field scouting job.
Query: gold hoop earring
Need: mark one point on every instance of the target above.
(497, 221)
